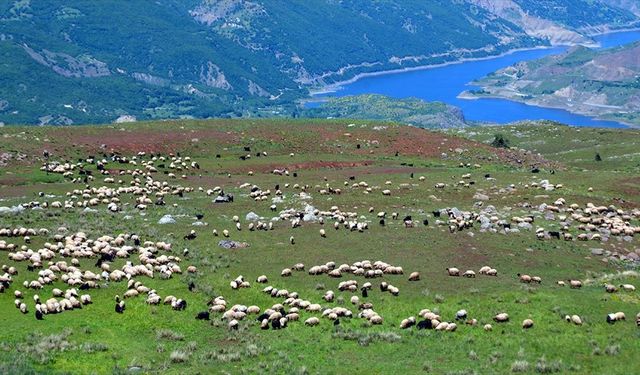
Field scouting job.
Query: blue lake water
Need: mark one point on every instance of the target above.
(445, 83)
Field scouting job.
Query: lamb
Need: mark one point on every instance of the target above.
(323, 234)
(487, 327)
(527, 323)
(453, 271)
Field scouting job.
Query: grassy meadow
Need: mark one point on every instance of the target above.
(325, 153)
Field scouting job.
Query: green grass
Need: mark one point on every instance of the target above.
(158, 339)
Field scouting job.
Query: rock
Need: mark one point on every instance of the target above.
(597, 251)
(227, 244)
(11, 210)
(549, 216)
(199, 224)
(633, 256)
(525, 225)
(481, 197)
(309, 215)
(252, 216)
(167, 219)
(276, 200)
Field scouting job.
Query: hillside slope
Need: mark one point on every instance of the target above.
(123, 199)
(77, 62)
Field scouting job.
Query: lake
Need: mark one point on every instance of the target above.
(445, 83)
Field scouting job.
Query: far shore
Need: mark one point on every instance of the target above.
(333, 87)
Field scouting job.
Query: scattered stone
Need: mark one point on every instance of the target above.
(167, 219)
(228, 244)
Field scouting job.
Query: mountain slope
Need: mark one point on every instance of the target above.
(596, 83)
(94, 61)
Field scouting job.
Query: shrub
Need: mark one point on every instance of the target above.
(500, 141)
(520, 366)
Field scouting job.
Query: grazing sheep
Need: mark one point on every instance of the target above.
(610, 288)
(453, 271)
(501, 318)
(560, 283)
(414, 276)
(536, 279)
(524, 278)
(527, 323)
(323, 234)
(628, 287)
(285, 272)
(461, 314)
(575, 284)
(638, 320)
(233, 324)
(487, 327)
(203, 315)
(406, 323)
(292, 240)
(262, 279)
(313, 321)
(575, 319)
(469, 274)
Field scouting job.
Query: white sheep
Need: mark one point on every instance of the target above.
(313, 321)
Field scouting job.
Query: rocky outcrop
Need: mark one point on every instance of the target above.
(83, 66)
(212, 76)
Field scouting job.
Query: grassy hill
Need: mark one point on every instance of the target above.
(319, 155)
(81, 62)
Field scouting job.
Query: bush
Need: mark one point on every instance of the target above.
(500, 141)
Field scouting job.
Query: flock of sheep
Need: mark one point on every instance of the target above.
(59, 260)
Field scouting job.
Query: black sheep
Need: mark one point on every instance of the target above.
(191, 286)
(336, 322)
(262, 317)
(199, 216)
(120, 307)
(436, 213)
(554, 234)
(39, 315)
(203, 315)
(425, 324)
(191, 236)
(275, 324)
(425, 222)
(382, 223)
(365, 293)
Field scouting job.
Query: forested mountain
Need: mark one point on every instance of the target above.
(77, 61)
